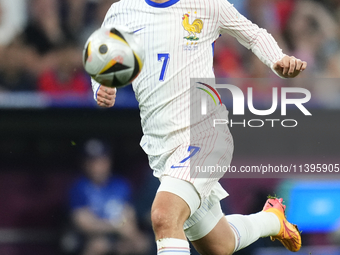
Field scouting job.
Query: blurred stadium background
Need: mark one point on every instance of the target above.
(47, 112)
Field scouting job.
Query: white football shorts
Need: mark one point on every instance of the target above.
(208, 146)
(204, 215)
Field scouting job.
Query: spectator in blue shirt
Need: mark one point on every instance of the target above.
(101, 208)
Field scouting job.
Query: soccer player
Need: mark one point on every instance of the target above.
(178, 37)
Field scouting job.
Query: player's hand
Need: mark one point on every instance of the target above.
(290, 67)
(106, 96)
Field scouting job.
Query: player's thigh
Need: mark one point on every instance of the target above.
(212, 234)
(175, 201)
(173, 205)
(219, 241)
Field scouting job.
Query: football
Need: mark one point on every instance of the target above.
(113, 57)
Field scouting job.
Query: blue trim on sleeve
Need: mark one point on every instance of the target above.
(97, 91)
(162, 5)
(213, 48)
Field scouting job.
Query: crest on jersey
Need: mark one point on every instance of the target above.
(193, 28)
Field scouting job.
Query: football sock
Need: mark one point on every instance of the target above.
(172, 246)
(248, 228)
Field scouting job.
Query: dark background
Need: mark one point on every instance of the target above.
(41, 152)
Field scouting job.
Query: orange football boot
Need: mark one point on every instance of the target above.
(289, 234)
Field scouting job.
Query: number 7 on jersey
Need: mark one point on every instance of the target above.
(164, 57)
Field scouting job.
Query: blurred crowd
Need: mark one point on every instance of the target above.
(307, 29)
(41, 41)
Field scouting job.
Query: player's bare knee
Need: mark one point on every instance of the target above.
(226, 251)
(161, 220)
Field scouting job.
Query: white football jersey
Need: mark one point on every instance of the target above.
(178, 38)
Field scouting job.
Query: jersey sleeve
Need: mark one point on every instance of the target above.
(95, 88)
(110, 17)
(108, 22)
(262, 44)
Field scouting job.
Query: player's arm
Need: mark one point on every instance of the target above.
(262, 44)
(105, 96)
(88, 223)
(85, 220)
